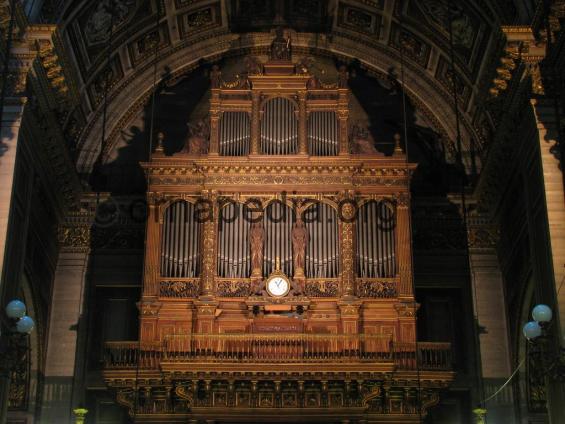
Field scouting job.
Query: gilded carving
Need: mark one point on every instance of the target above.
(179, 288)
(377, 289)
(75, 237)
(321, 288)
(233, 288)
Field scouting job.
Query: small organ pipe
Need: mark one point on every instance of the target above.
(376, 241)
(323, 133)
(235, 134)
(180, 247)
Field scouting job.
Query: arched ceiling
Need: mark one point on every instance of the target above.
(364, 33)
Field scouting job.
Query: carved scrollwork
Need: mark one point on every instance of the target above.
(322, 288)
(179, 288)
(377, 289)
(233, 288)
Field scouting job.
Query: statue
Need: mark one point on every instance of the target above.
(343, 77)
(299, 241)
(256, 240)
(216, 77)
(280, 47)
(362, 141)
(198, 138)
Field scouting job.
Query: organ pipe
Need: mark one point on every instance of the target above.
(234, 256)
(235, 134)
(376, 241)
(279, 128)
(322, 252)
(277, 222)
(180, 253)
(323, 134)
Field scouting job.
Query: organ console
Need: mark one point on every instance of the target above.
(278, 268)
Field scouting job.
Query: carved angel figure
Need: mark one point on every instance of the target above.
(362, 142)
(198, 138)
(256, 240)
(216, 77)
(299, 241)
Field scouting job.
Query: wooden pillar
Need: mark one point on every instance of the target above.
(343, 119)
(214, 122)
(404, 246)
(209, 246)
(347, 245)
(152, 248)
(302, 124)
(255, 122)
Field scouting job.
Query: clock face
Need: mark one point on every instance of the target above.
(278, 286)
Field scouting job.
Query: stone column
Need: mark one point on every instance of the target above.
(404, 246)
(66, 321)
(552, 271)
(255, 122)
(12, 113)
(490, 311)
(302, 124)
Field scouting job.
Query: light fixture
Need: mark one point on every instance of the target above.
(532, 330)
(549, 357)
(542, 313)
(16, 311)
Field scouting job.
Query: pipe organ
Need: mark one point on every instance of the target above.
(279, 127)
(234, 260)
(376, 256)
(322, 252)
(277, 221)
(235, 134)
(286, 261)
(323, 134)
(180, 247)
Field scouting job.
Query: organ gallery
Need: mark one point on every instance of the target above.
(278, 266)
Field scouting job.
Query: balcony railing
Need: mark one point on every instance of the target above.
(278, 348)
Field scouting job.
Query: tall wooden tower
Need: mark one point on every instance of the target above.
(278, 278)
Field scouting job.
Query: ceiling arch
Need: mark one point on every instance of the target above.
(368, 31)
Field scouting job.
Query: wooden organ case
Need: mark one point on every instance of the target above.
(278, 268)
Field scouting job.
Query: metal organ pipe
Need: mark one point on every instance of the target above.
(322, 252)
(323, 134)
(235, 134)
(180, 253)
(376, 241)
(234, 259)
(277, 222)
(279, 128)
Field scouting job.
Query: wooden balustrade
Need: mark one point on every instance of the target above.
(132, 355)
(278, 348)
(431, 356)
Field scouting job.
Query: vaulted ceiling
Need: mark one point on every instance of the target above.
(367, 34)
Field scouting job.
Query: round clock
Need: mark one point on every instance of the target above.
(278, 286)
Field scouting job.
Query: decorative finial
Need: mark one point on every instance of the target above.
(277, 264)
(160, 138)
(397, 149)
